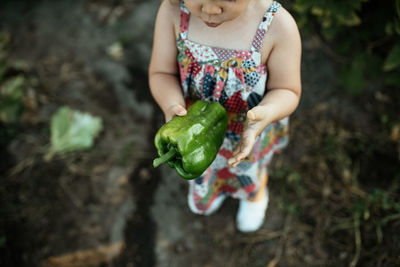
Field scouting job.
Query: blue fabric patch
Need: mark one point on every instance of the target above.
(199, 180)
(245, 165)
(244, 180)
(208, 85)
(223, 98)
(252, 78)
(232, 136)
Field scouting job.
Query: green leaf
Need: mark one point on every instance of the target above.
(393, 59)
(11, 94)
(13, 88)
(72, 130)
(349, 19)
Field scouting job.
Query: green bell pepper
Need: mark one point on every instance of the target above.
(190, 143)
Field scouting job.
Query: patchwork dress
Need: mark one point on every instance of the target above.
(237, 80)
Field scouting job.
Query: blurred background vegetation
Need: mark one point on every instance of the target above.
(361, 35)
(342, 196)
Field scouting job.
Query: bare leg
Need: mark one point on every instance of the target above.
(261, 191)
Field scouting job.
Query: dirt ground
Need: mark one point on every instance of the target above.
(334, 192)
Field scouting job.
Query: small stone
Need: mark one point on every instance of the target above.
(116, 51)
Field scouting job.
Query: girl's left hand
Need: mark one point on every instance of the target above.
(255, 123)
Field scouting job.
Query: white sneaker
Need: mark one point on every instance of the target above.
(250, 216)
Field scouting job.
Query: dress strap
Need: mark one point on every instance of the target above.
(264, 25)
(184, 24)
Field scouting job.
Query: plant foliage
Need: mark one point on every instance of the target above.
(365, 33)
(72, 130)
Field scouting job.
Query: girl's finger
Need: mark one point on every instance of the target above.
(175, 110)
(241, 152)
(231, 161)
(235, 159)
(257, 113)
(239, 158)
(179, 110)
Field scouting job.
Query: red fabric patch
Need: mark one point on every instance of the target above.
(196, 68)
(184, 21)
(218, 89)
(189, 55)
(245, 55)
(250, 188)
(236, 127)
(225, 174)
(239, 74)
(235, 103)
(226, 153)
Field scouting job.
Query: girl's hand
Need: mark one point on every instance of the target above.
(174, 110)
(255, 123)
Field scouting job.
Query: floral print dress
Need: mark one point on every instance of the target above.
(237, 80)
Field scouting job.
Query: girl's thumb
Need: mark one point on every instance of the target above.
(179, 110)
(256, 113)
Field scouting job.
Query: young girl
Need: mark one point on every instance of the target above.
(245, 54)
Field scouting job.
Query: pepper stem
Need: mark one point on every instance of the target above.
(165, 158)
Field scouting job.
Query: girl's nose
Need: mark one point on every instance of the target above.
(211, 9)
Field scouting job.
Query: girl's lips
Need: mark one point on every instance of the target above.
(213, 25)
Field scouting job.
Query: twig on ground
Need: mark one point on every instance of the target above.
(282, 242)
(357, 237)
(22, 165)
(391, 217)
(342, 226)
(261, 236)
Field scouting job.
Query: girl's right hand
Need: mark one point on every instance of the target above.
(174, 110)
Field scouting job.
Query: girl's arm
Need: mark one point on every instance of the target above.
(163, 69)
(283, 86)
